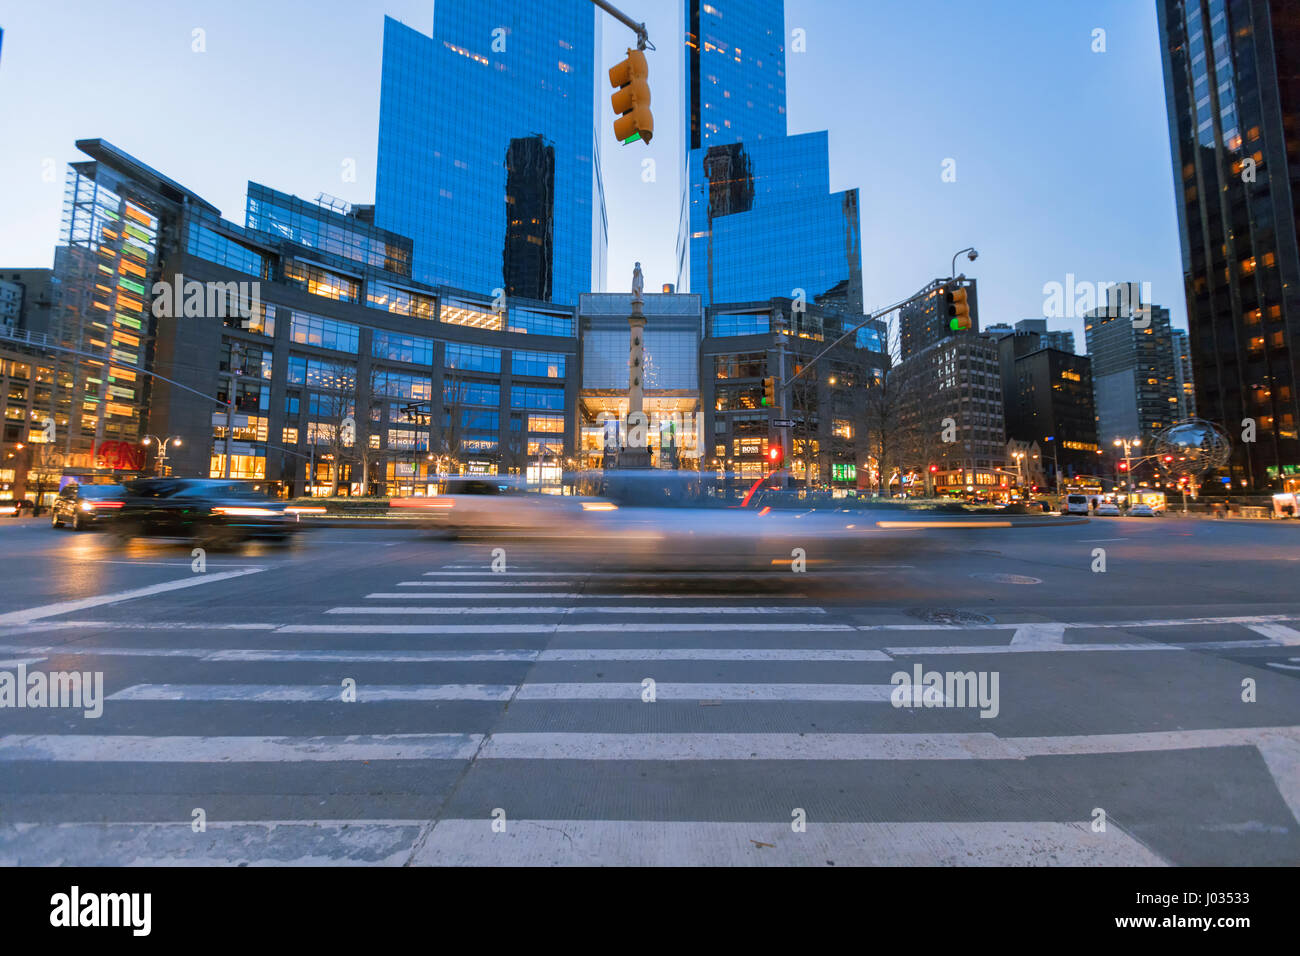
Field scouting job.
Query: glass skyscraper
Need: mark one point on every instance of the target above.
(758, 218)
(1232, 87)
(488, 156)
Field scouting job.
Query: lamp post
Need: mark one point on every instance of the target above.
(1128, 445)
(971, 254)
(173, 441)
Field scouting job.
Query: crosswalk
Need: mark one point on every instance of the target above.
(596, 717)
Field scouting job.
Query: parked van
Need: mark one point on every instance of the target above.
(1076, 504)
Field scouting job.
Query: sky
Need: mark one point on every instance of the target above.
(1061, 153)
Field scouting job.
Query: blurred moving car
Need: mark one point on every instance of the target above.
(1108, 509)
(81, 506)
(1142, 510)
(213, 512)
(16, 508)
(489, 505)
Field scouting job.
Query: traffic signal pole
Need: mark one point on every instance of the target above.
(642, 37)
(870, 318)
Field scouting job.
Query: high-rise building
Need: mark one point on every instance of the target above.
(954, 383)
(119, 218)
(11, 304)
(830, 440)
(36, 295)
(1133, 375)
(1232, 85)
(488, 155)
(1061, 339)
(924, 321)
(758, 219)
(1184, 378)
(1047, 400)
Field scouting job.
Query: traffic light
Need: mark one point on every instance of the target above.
(958, 310)
(1123, 466)
(769, 392)
(934, 469)
(774, 455)
(632, 101)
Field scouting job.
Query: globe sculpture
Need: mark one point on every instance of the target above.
(1191, 448)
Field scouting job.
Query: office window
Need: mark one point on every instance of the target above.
(540, 364)
(402, 348)
(381, 295)
(413, 388)
(472, 358)
(471, 393)
(531, 396)
(321, 282)
(308, 329)
(321, 373)
(460, 312)
(547, 424)
(540, 323)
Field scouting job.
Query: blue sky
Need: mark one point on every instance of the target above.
(1062, 154)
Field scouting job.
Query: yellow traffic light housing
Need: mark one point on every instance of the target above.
(632, 101)
(769, 392)
(958, 310)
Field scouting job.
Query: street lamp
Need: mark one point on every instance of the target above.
(173, 441)
(971, 254)
(1128, 445)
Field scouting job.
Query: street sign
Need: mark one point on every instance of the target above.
(783, 423)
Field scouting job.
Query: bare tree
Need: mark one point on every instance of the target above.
(335, 421)
(514, 453)
(450, 429)
(805, 414)
(367, 430)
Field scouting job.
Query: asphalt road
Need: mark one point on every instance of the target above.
(505, 717)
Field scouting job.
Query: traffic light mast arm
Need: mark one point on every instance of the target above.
(872, 317)
(642, 37)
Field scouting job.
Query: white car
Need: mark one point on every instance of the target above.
(1108, 509)
(1076, 505)
(1142, 511)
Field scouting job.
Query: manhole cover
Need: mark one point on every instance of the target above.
(947, 615)
(1006, 578)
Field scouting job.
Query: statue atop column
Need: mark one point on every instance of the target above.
(638, 284)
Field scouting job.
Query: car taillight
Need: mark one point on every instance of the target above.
(242, 512)
(94, 505)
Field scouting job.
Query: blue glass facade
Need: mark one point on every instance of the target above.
(735, 71)
(758, 219)
(488, 158)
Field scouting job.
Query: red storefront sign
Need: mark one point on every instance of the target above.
(119, 456)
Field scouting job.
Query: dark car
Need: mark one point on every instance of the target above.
(81, 506)
(210, 511)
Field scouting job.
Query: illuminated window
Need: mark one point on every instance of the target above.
(458, 312)
(549, 424)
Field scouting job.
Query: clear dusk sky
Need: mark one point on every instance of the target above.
(1062, 153)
